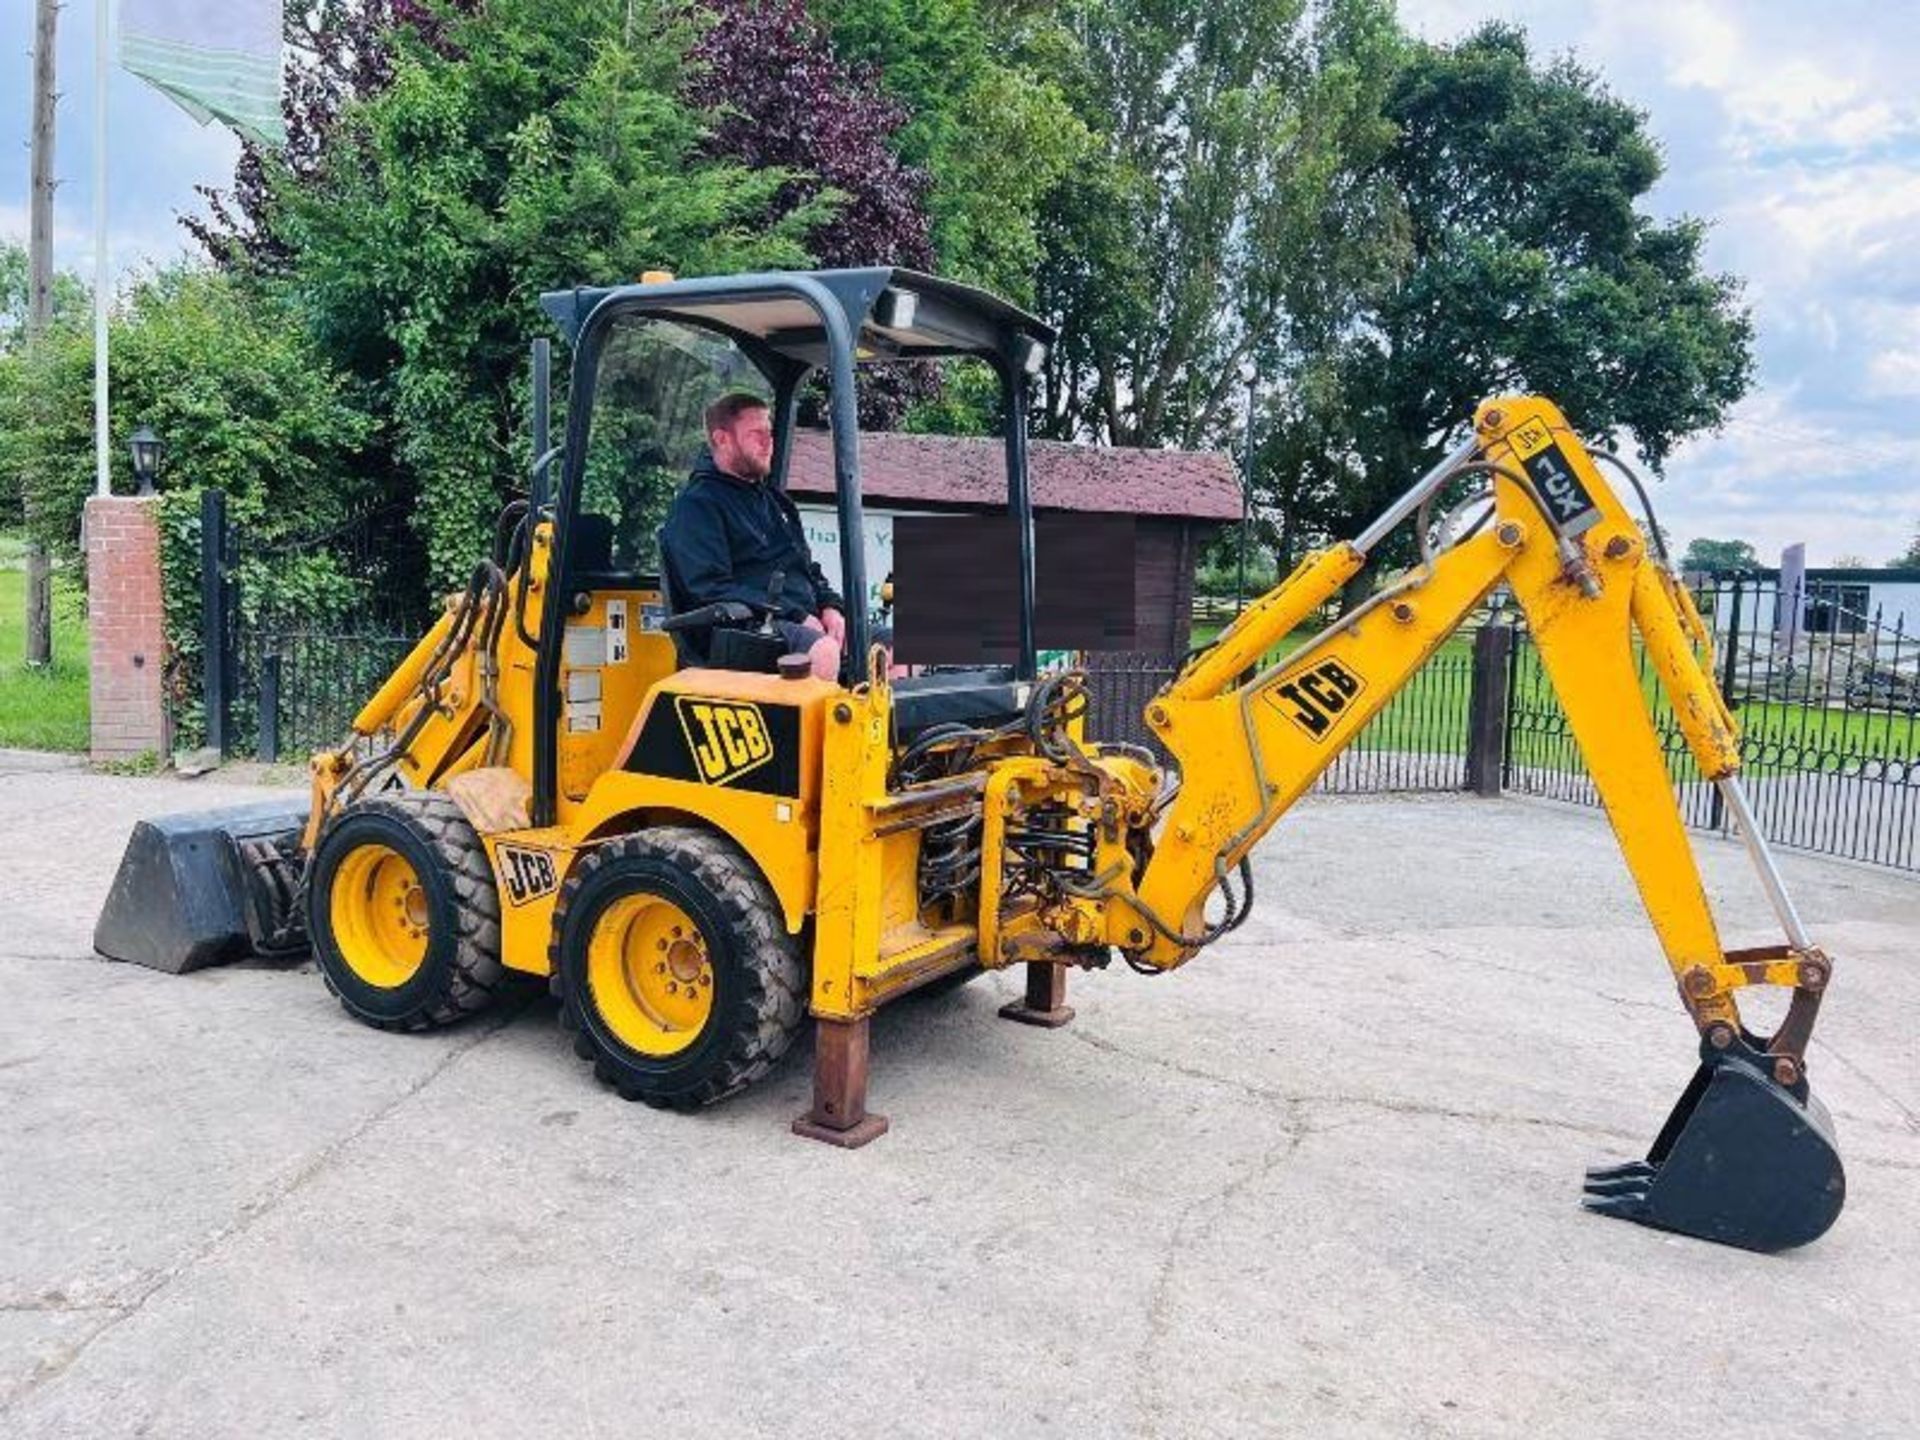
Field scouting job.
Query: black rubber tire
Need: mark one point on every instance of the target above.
(461, 973)
(760, 974)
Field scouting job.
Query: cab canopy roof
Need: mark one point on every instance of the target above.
(891, 314)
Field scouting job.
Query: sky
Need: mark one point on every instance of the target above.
(1794, 128)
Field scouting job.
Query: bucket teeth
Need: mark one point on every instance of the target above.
(1606, 1187)
(1608, 1174)
(1623, 1197)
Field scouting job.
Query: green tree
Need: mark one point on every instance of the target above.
(1704, 554)
(70, 295)
(231, 383)
(990, 121)
(536, 146)
(1911, 559)
(1529, 268)
(1234, 202)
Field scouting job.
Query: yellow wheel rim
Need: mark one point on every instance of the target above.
(649, 974)
(379, 914)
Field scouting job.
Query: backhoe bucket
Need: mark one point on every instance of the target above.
(1742, 1160)
(197, 890)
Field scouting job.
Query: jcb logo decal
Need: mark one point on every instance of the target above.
(526, 874)
(1530, 439)
(727, 737)
(1314, 697)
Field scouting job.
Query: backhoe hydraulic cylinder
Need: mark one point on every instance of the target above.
(1267, 622)
(1735, 794)
(1391, 517)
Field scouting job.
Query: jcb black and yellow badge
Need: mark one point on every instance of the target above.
(1315, 695)
(710, 740)
(525, 874)
(726, 737)
(1546, 465)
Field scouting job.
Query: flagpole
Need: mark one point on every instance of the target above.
(101, 448)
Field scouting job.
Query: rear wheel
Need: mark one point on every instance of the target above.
(675, 968)
(403, 912)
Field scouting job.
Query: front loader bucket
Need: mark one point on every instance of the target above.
(1742, 1160)
(196, 890)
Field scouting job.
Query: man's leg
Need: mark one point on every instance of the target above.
(813, 642)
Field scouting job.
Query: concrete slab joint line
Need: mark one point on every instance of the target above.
(251, 1212)
(1195, 1225)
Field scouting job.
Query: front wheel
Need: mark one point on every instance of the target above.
(404, 914)
(675, 968)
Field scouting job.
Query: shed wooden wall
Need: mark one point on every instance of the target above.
(1167, 551)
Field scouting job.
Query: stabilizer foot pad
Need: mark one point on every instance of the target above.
(1026, 1015)
(851, 1138)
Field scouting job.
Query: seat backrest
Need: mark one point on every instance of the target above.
(689, 646)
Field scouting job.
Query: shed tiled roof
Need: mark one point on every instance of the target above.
(956, 470)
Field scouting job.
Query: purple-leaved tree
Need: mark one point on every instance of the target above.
(781, 98)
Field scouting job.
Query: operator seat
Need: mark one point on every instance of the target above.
(714, 647)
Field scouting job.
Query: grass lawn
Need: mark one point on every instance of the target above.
(42, 710)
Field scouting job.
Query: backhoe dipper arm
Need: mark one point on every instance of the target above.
(1747, 1156)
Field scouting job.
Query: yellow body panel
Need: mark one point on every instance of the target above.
(777, 830)
(610, 665)
(529, 866)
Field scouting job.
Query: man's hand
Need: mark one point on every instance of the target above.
(835, 624)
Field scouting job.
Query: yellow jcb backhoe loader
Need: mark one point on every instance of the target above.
(580, 778)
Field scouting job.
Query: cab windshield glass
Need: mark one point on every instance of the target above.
(655, 381)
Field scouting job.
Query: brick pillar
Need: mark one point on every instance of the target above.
(126, 626)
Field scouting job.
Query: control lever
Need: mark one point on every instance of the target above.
(776, 586)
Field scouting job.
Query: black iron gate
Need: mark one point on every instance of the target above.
(1829, 705)
(281, 674)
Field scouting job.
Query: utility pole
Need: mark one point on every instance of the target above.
(1252, 377)
(40, 298)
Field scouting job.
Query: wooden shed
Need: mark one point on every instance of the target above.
(1177, 500)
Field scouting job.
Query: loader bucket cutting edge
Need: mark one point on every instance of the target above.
(1742, 1160)
(200, 889)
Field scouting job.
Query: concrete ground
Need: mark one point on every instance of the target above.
(1323, 1182)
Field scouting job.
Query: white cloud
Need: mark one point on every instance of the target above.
(1780, 473)
(1894, 373)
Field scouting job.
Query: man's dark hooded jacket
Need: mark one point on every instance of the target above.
(725, 537)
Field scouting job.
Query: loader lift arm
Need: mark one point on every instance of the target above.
(1748, 1156)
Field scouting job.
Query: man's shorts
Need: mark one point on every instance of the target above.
(800, 637)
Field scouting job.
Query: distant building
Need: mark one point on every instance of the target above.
(1832, 602)
(1844, 602)
(1178, 500)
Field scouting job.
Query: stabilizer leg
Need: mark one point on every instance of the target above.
(1046, 999)
(839, 1114)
